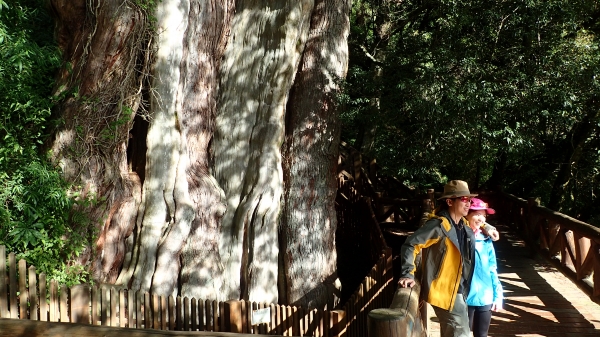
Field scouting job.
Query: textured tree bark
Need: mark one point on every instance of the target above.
(163, 170)
(182, 202)
(190, 199)
(100, 83)
(267, 39)
(310, 160)
(201, 275)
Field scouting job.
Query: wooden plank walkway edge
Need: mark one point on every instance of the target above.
(29, 328)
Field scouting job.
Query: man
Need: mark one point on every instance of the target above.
(447, 264)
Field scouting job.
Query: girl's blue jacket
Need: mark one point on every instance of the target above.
(485, 285)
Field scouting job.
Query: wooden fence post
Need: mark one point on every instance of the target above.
(94, 312)
(64, 298)
(12, 279)
(172, 314)
(43, 303)
(114, 297)
(33, 297)
(80, 304)
(53, 301)
(23, 294)
(3, 290)
(233, 316)
(122, 307)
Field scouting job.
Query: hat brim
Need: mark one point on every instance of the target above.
(457, 195)
(489, 211)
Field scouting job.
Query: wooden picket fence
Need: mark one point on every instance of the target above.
(26, 295)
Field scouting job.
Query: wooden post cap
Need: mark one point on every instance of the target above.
(385, 322)
(387, 314)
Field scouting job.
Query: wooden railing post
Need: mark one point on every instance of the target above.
(400, 319)
(596, 252)
(530, 221)
(583, 258)
(339, 323)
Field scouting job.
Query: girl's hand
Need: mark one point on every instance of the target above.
(496, 307)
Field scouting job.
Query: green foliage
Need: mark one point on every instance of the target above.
(149, 8)
(35, 208)
(110, 133)
(489, 92)
(34, 215)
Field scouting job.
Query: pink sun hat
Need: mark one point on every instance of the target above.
(480, 205)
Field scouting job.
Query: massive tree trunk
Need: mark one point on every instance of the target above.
(310, 161)
(209, 26)
(266, 42)
(175, 126)
(100, 82)
(182, 203)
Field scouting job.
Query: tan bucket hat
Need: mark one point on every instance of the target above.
(455, 189)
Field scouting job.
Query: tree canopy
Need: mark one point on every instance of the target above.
(495, 93)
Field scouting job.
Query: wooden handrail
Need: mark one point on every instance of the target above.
(573, 246)
(565, 220)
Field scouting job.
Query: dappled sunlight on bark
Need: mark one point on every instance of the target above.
(312, 136)
(256, 75)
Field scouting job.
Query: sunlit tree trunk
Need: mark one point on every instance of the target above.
(174, 124)
(166, 157)
(182, 203)
(207, 34)
(310, 161)
(266, 42)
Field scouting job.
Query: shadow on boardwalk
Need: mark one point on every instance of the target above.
(539, 300)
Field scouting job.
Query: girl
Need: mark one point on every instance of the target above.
(485, 294)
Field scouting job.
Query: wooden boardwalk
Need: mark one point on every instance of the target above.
(539, 300)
